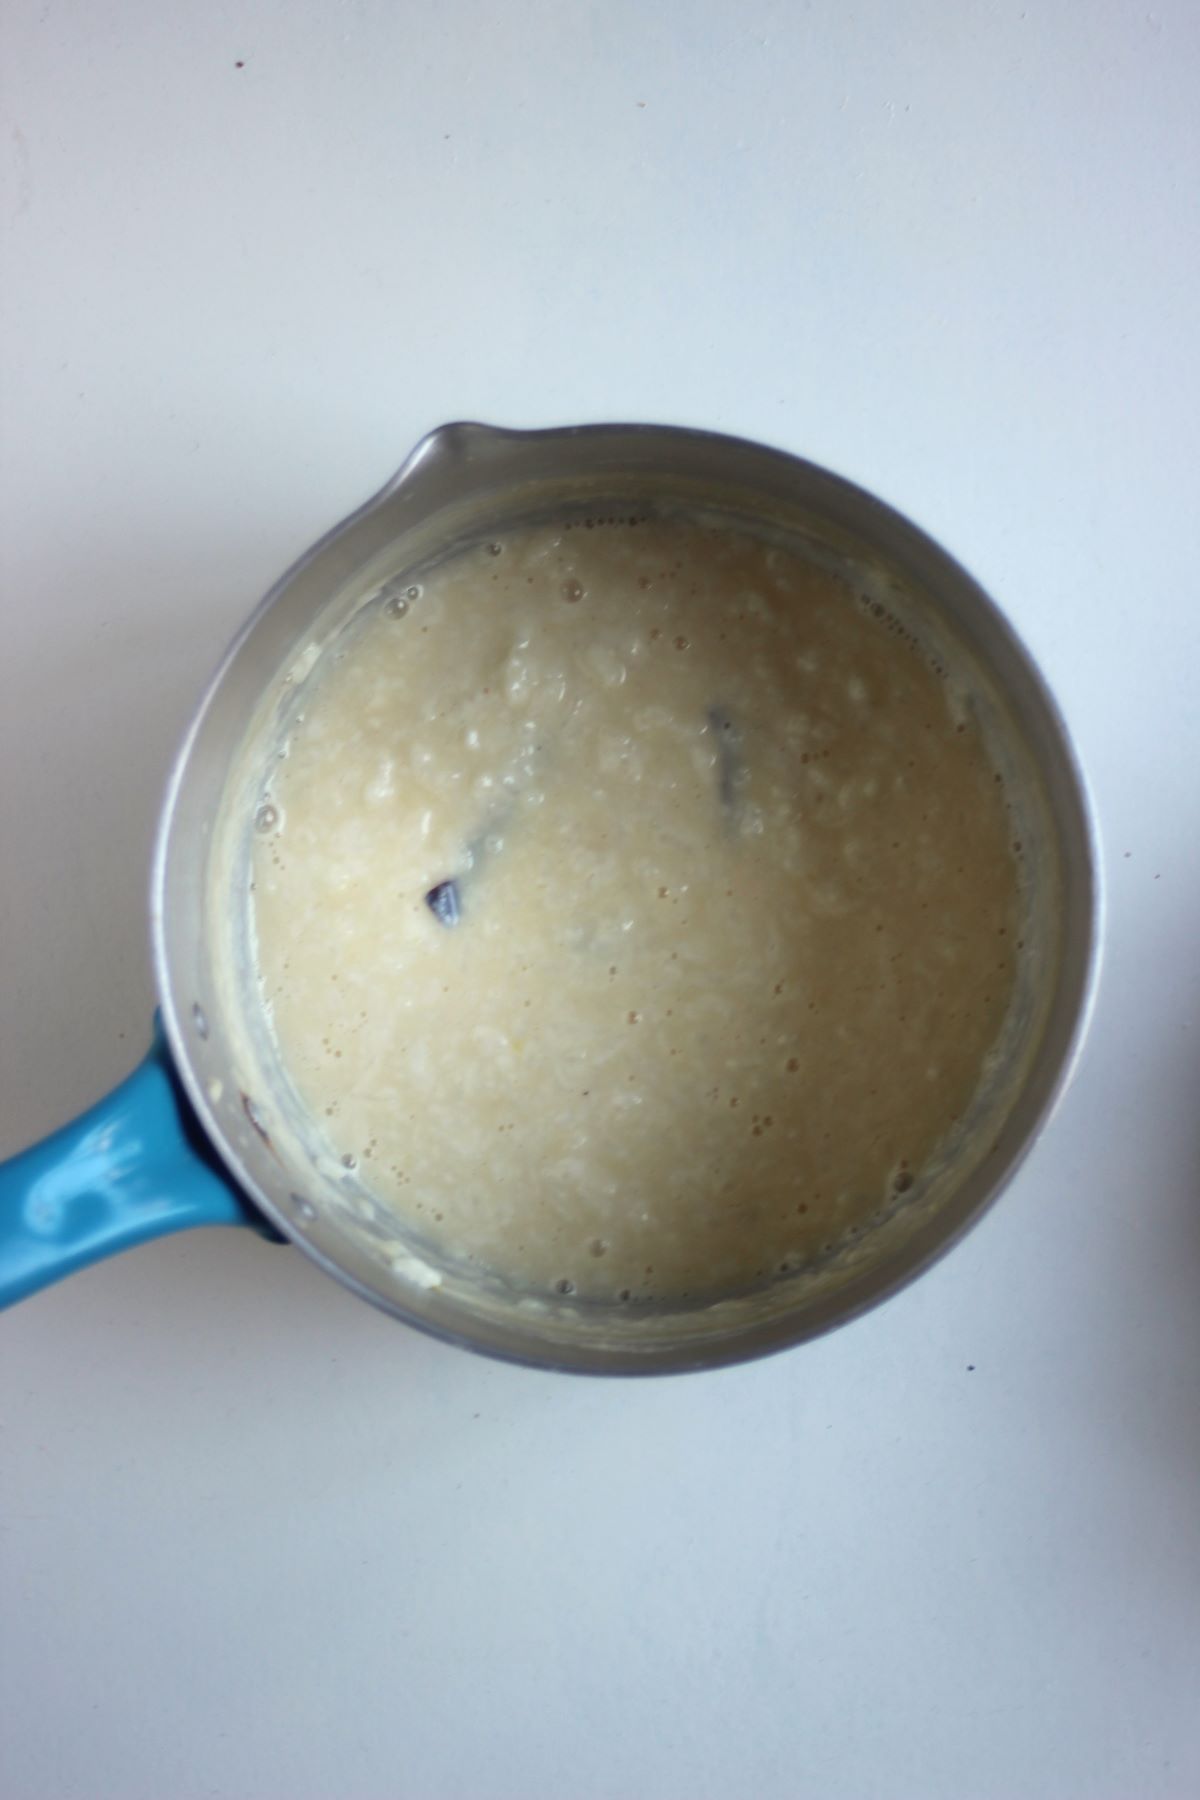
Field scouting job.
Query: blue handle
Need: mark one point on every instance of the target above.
(135, 1166)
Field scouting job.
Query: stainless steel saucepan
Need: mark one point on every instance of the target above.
(208, 1129)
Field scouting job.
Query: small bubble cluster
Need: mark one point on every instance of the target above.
(593, 520)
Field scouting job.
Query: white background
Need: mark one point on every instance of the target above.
(261, 1541)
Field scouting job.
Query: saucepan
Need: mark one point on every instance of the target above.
(204, 1132)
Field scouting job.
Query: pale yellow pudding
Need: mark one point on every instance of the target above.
(635, 907)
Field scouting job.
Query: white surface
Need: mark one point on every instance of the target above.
(260, 1540)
